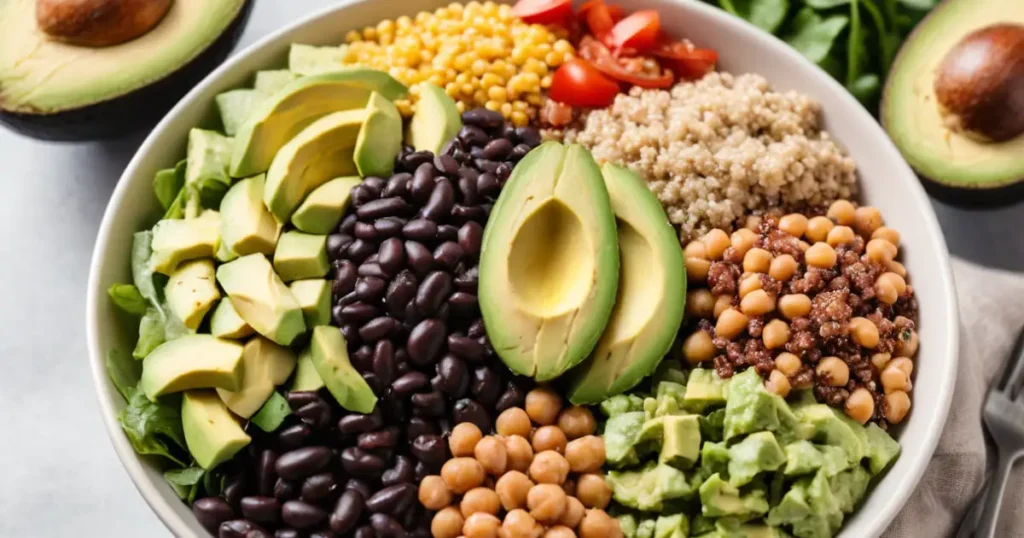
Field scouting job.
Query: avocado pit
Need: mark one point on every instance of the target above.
(980, 84)
(99, 23)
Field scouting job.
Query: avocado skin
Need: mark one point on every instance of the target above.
(134, 110)
(975, 198)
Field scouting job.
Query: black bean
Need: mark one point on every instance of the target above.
(261, 509)
(241, 528)
(448, 255)
(503, 171)
(409, 383)
(348, 224)
(265, 473)
(447, 232)
(450, 147)
(471, 135)
(302, 462)
(487, 184)
(529, 136)
(347, 299)
(211, 512)
(385, 207)
(435, 288)
(467, 190)
(463, 304)
(429, 404)
(318, 487)
(351, 334)
(483, 118)
(386, 526)
(336, 245)
(467, 410)
(285, 490)
(386, 438)
(302, 515)
(512, 397)
(425, 341)
(358, 485)
(344, 277)
(401, 472)
(317, 414)
(418, 426)
(374, 183)
(485, 386)
(470, 237)
(420, 230)
(453, 376)
(401, 290)
(365, 231)
(484, 165)
(447, 165)
(362, 358)
(370, 288)
(466, 348)
(519, 152)
(299, 398)
(357, 423)
(361, 195)
(389, 227)
(476, 329)
(378, 328)
(384, 361)
(369, 268)
(323, 533)
(441, 200)
(362, 463)
(497, 149)
(286, 532)
(461, 213)
(359, 313)
(360, 249)
(392, 499)
(391, 256)
(468, 281)
(398, 185)
(414, 160)
(423, 181)
(347, 511)
(365, 531)
(418, 256)
(429, 448)
(371, 380)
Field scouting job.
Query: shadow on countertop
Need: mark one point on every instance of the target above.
(989, 237)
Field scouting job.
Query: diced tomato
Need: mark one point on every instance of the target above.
(685, 60)
(578, 83)
(543, 11)
(596, 15)
(616, 12)
(638, 31)
(601, 58)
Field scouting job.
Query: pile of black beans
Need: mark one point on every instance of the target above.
(404, 290)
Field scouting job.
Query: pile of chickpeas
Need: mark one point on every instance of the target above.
(538, 476)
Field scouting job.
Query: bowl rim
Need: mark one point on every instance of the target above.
(878, 522)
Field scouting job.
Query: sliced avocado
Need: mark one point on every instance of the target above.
(192, 291)
(272, 414)
(266, 366)
(247, 227)
(756, 453)
(192, 362)
(718, 498)
(320, 152)
(680, 445)
(261, 298)
(704, 389)
(178, 240)
(330, 358)
(235, 106)
(294, 107)
(673, 526)
(380, 138)
(829, 429)
(314, 296)
(323, 208)
(300, 256)
(650, 487)
(651, 295)
(226, 323)
(313, 60)
(272, 81)
(212, 434)
(882, 449)
(436, 121)
(549, 266)
(306, 378)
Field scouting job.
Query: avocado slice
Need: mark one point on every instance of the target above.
(313, 60)
(247, 227)
(271, 81)
(957, 167)
(323, 208)
(212, 434)
(294, 107)
(436, 121)
(549, 267)
(261, 298)
(192, 362)
(651, 295)
(266, 365)
(192, 291)
(320, 152)
(330, 358)
(235, 106)
(314, 296)
(380, 138)
(178, 240)
(206, 170)
(306, 377)
(300, 256)
(226, 323)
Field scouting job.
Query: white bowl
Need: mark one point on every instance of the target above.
(886, 180)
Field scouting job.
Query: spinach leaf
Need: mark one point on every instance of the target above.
(813, 36)
(151, 334)
(854, 45)
(888, 38)
(272, 414)
(825, 4)
(213, 482)
(123, 372)
(142, 272)
(767, 15)
(186, 482)
(923, 5)
(865, 88)
(167, 184)
(154, 428)
(128, 298)
(177, 208)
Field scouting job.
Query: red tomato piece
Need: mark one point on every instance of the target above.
(685, 60)
(578, 83)
(596, 15)
(600, 57)
(543, 11)
(638, 31)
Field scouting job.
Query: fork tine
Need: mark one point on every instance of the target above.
(1014, 370)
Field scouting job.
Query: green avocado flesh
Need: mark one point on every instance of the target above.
(329, 354)
(261, 298)
(549, 266)
(44, 76)
(436, 121)
(212, 433)
(910, 110)
(266, 365)
(651, 293)
(192, 362)
(380, 138)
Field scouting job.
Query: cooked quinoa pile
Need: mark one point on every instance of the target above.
(715, 149)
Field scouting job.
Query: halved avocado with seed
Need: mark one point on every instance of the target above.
(549, 266)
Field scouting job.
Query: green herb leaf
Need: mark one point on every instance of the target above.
(865, 88)
(272, 414)
(825, 4)
(123, 372)
(185, 482)
(923, 5)
(128, 298)
(813, 36)
(151, 334)
(154, 428)
(767, 15)
(213, 482)
(854, 45)
(142, 272)
(888, 38)
(168, 183)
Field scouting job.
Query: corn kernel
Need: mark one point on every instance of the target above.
(493, 105)
(519, 118)
(498, 93)
(506, 109)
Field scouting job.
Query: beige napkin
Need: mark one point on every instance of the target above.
(991, 316)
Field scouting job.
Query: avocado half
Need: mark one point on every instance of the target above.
(57, 91)
(956, 166)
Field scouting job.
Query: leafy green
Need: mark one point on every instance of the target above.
(272, 414)
(151, 334)
(123, 372)
(813, 36)
(158, 323)
(154, 428)
(142, 272)
(186, 482)
(128, 298)
(767, 15)
(167, 184)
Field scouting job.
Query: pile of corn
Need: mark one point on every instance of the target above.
(478, 52)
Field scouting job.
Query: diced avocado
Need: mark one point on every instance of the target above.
(671, 390)
(272, 414)
(620, 435)
(623, 403)
(167, 183)
(648, 309)
(646, 528)
(312, 60)
(271, 81)
(380, 138)
(758, 452)
(705, 389)
(300, 256)
(209, 154)
(234, 107)
(247, 227)
(648, 488)
(628, 525)
(670, 370)
(261, 298)
(226, 323)
(714, 458)
(719, 498)
(549, 267)
(731, 527)
(751, 408)
(323, 208)
(673, 526)
(178, 240)
(848, 487)
(294, 107)
(702, 526)
(317, 154)
(192, 291)
(436, 121)
(225, 254)
(834, 459)
(793, 507)
(330, 358)
(680, 445)
(314, 296)
(802, 458)
(712, 425)
(823, 505)
(882, 449)
(306, 377)
(192, 362)
(212, 434)
(829, 429)
(266, 366)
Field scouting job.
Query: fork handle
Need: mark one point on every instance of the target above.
(990, 516)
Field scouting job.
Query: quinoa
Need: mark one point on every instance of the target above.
(716, 149)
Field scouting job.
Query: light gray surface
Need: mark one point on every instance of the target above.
(60, 474)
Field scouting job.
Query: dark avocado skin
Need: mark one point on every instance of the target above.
(968, 198)
(134, 110)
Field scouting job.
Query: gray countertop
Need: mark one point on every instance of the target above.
(60, 474)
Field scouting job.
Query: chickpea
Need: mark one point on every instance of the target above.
(897, 267)
(783, 268)
(586, 454)
(896, 405)
(842, 212)
(434, 494)
(731, 323)
(894, 280)
(860, 406)
(697, 270)
(462, 474)
(549, 438)
(543, 405)
(546, 502)
(715, 243)
(803, 245)
(698, 347)
(867, 219)
(840, 235)
(749, 283)
(794, 224)
(788, 363)
(778, 383)
(598, 524)
(880, 360)
(549, 467)
(904, 364)
(480, 500)
(821, 255)
(573, 512)
(818, 228)
(512, 489)
(752, 222)
(700, 303)
(558, 531)
(757, 303)
(481, 525)
(757, 260)
(520, 524)
(695, 250)
(464, 438)
(880, 250)
(447, 523)
(886, 292)
(722, 303)
(864, 332)
(794, 306)
(492, 454)
(593, 491)
(519, 453)
(775, 334)
(833, 371)
(888, 234)
(513, 421)
(743, 240)
(894, 378)
(577, 421)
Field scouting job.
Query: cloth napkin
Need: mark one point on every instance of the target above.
(991, 316)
